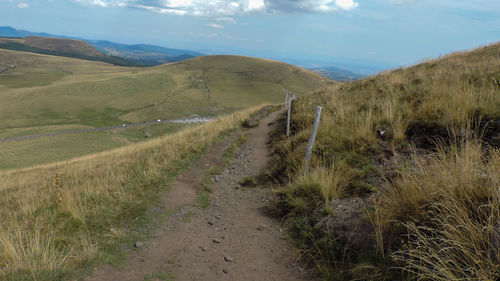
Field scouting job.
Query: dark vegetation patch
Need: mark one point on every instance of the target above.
(25, 48)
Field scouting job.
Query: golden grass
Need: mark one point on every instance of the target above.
(436, 203)
(57, 218)
(449, 207)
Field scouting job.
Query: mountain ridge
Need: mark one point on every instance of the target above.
(138, 54)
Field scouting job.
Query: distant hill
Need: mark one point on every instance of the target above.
(337, 74)
(61, 47)
(138, 54)
(144, 54)
(7, 31)
(41, 94)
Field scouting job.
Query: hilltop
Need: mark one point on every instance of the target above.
(46, 93)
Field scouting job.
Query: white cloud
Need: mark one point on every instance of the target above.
(100, 3)
(214, 25)
(224, 9)
(23, 5)
(346, 4)
(226, 20)
(255, 5)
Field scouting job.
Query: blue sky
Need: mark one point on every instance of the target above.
(394, 32)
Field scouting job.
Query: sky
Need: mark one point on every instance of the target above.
(388, 33)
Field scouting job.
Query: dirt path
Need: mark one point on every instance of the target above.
(232, 239)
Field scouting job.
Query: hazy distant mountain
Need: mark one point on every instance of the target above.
(7, 31)
(337, 74)
(144, 54)
(141, 54)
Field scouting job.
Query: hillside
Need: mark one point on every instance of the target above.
(60, 220)
(46, 93)
(144, 54)
(404, 176)
(60, 47)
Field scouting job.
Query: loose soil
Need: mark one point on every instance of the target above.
(232, 239)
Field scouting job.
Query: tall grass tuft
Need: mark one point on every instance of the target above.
(448, 208)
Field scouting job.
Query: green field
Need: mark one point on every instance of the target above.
(43, 93)
(33, 152)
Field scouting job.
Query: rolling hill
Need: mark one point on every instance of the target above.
(144, 54)
(45, 93)
(137, 54)
(60, 47)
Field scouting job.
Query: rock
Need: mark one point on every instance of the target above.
(224, 270)
(228, 259)
(203, 248)
(216, 241)
(138, 244)
(218, 217)
(261, 227)
(210, 222)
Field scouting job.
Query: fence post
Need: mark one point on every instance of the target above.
(286, 99)
(288, 117)
(312, 138)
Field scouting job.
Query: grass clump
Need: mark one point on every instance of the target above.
(447, 209)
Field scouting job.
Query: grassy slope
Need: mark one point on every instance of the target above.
(59, 219)
(433, 173)
(48, 92)
(63, 45)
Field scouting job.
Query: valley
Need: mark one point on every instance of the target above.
(47, 94)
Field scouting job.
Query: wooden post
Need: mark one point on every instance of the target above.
(288, 117)
(286, 99)
(310, 144)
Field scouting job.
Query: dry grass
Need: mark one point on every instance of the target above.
(422, 141)
(448, 206)
(58, 218)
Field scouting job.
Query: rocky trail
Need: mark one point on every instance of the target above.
(231, 239)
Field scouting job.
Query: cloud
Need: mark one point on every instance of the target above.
(214, 25)
(322, 6)
(224, 9)
(100, 3)
(346, 4)
(23, 5)
(226, 20)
